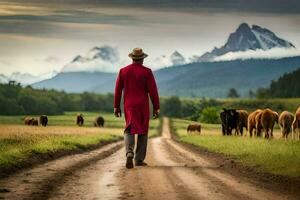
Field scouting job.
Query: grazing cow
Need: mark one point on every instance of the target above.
(296, 124)
(229, 119)
(242, 121)
(194, 127)
(44, 120)
(35, 122)
(251, 121)
(28, 120)
(99, 121)
(79, 119)
(258, 125)
(285, 122)
(268, 119)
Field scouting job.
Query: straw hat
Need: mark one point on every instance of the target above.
(137, 53)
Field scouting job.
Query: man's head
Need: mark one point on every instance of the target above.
(137, 55)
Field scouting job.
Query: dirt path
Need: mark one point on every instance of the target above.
(174, 172)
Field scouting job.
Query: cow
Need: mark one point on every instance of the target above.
(99, 121)
(194, 127)
(35, 122)
(251, 122)
(285, 122)
(44, 120)
(229, 119)
(296, 124)
(28, 120)
(258, 125)
(268, 119)
(79, 119)
(242, 121)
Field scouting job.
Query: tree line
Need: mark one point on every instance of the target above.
(208, 110)
(286, 86)
(18, 100)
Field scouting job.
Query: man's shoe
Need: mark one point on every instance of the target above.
(129, 162)
(141, 164)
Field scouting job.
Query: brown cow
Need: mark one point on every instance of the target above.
(28, 120)
(251, 121)
(285, 122)
(296, 124)
(258, 125)
(99, 121)
(268, 119)
(242, 121)
(194, 127)
(79, 119)
(35, 122)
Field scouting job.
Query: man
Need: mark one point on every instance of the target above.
(138, 84)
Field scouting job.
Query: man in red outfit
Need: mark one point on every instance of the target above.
(138, 83)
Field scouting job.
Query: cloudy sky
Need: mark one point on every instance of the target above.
(38, 37)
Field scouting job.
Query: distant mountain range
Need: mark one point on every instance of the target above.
(106, 59)
(202, 78)
(26, 78)
(246, 38)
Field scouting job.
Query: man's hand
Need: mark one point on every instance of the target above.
(117, 112)
(156, 113)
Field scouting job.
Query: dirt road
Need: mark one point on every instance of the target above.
(174, 172)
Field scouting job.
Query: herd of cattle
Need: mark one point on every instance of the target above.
(43, 120)
(260, 121)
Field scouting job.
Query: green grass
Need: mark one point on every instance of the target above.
(275, 156)
(17, 148)
(69, 119)
(19, 142)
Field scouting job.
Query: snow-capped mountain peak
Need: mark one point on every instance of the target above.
(248, 38)
(104, 58)
(177, 58)
(106, 53)
(173, 59)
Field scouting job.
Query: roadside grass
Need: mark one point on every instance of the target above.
(19, 142)
(275, 156)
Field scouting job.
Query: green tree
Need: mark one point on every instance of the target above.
(232, 93)
(172, 107)
(210, 115)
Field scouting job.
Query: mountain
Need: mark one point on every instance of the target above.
(202, 79)
(287, 86)
(26, 78)
(162, 61)
(177, 58)
(214, 79)
(98, 59)
(106, 59)
(77, 82)
(246, 38)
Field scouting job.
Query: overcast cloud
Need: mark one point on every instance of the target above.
(33, 30)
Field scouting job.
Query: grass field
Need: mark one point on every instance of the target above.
(19, 142)
(274, 156)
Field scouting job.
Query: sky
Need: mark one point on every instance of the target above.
(40, 36)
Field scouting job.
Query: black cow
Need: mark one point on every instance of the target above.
(229, 118)
(99, 121)
(79, 119)
(44, 120)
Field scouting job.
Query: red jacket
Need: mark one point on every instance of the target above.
(138, 84)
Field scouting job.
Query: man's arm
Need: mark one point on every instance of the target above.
(118, 95)
(152, 89)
